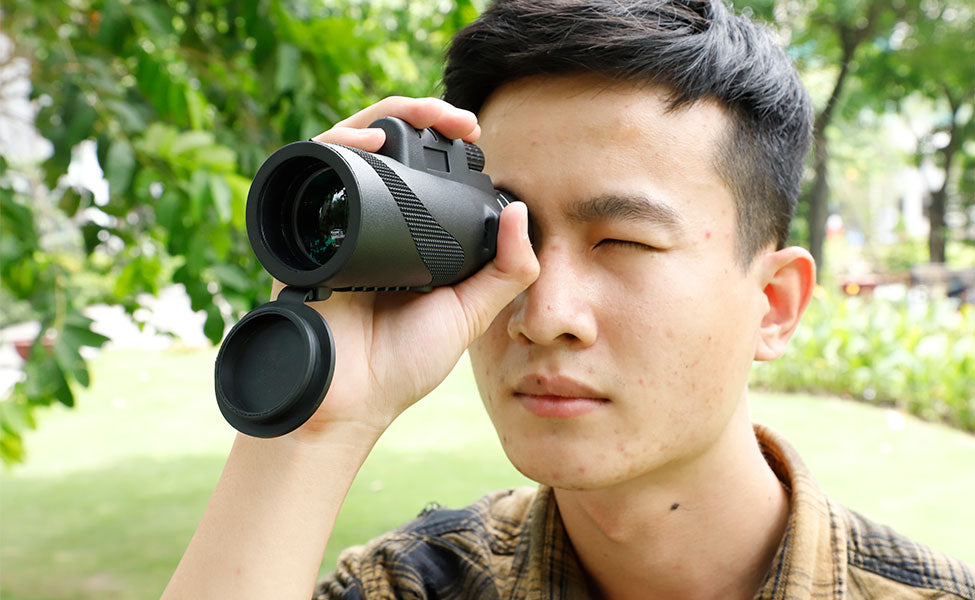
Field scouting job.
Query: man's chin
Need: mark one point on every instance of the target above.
(562, 471)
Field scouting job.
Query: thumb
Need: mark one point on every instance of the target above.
(483, 295)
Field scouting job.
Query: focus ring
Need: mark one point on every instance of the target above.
(475, 157)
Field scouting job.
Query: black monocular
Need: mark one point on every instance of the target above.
(326, 217)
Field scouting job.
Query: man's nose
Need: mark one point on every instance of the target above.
(555, 309)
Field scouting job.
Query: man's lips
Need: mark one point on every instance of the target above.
(557, 397)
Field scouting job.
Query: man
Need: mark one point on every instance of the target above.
(658, 146)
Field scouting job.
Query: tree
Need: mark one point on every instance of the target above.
(832, 35)
(874, 52)
(931, 57)
(184, 99)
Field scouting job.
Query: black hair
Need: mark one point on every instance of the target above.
(700, 50)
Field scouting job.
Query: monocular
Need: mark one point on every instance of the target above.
(417, 214)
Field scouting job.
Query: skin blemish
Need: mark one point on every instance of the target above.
(707, 234)
(538, 380)
(674, 505)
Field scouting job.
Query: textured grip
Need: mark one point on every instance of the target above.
(475, 157)
(441, 253)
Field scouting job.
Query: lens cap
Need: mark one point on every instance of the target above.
(274, 367)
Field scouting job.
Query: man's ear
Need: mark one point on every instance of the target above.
(789, 278)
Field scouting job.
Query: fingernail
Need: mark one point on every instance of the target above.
(524, 230)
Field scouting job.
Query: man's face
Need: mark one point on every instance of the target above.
(631, 350)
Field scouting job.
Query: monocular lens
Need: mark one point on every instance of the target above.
(321, 215)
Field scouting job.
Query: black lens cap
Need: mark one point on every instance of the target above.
(274, 367)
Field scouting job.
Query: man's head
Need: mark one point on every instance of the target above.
(695, 49)
(630, 353)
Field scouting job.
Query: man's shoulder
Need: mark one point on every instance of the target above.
(443, 553)
(499, 514)
(884, 563)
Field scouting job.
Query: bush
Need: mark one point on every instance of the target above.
(916, 355)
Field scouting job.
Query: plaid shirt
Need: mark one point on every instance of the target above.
(512, 545)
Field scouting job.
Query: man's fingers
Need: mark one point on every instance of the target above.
(369, 139)
(420, 113)
(513, 269)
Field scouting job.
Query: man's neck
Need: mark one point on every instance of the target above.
(708, 529)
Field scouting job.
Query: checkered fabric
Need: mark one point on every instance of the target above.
(511, 545)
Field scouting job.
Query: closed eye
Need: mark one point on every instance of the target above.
(626, 244)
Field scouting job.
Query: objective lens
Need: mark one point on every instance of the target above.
(321, 216)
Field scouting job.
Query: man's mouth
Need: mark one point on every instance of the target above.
(557, 397)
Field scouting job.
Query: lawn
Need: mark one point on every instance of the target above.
(113, 490)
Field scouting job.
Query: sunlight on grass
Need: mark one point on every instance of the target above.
(113, 490)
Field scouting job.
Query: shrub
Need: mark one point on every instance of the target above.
(915, 354)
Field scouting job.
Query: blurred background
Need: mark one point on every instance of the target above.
(130, 130)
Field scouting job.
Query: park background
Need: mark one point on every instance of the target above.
(129, 131)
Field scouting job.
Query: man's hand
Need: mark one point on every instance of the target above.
(270, 518)
(392, 348)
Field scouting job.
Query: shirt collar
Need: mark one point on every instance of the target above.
(809, 563)
(811, 559)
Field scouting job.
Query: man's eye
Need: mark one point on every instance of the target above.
(625, 244)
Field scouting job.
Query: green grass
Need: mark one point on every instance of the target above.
(113, 490)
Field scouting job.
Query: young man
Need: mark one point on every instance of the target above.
(658, 146)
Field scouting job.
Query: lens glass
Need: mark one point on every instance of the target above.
(321, 215)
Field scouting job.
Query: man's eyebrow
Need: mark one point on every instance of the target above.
(625, 207)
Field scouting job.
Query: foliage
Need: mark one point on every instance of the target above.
(916, 355)
(871, 55)
(941, 34)
(184, 99)
(908, 252)
(43, 278)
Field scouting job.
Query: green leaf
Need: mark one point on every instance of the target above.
(159, 139)
(214, 325)
(69, 359)
(220, 241)
(114, 26)
(130, 117)
(11, 448)
(191, 140)
(196, 106)
(216, 158)
(169, 210)
(119, 167)
(79, 118)
(288, 63)
(232, 276)
(239, 188)
(15, 415)
(79, 337)
(155, 17)
(199, 189)
(222, 198)
(45, 381)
